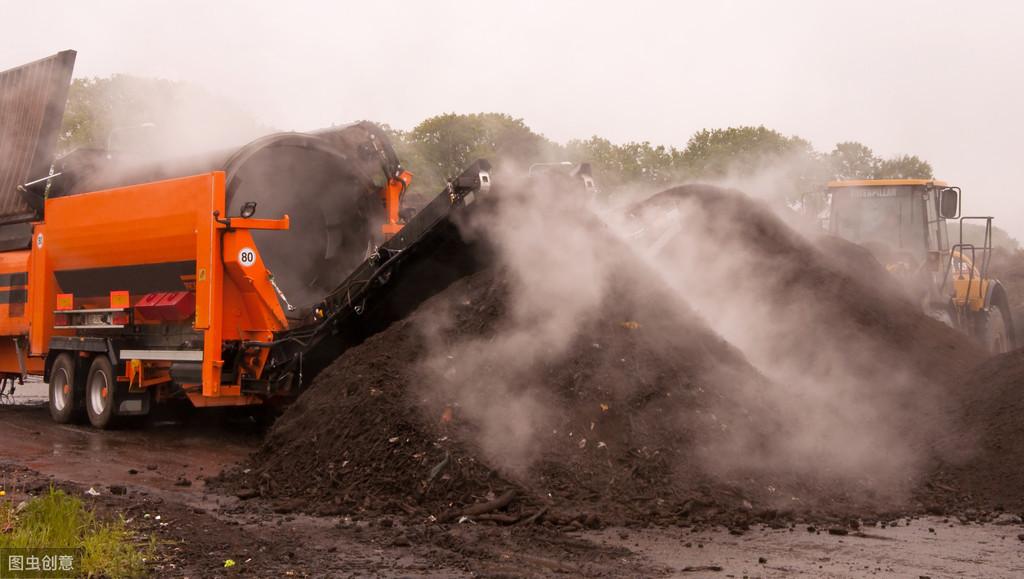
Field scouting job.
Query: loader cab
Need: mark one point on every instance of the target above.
(902, 221)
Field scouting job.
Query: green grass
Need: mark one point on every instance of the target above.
(58, 519)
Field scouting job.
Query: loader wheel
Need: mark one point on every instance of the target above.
(100, 390)
(993, 331)
(65, 400)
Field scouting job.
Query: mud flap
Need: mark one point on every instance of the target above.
(132, 403)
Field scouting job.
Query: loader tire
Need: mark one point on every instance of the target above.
(994, 330)
(101, 393)
(65, 390)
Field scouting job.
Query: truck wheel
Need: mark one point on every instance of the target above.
(100, 393)
(993, 334)
(65, 400)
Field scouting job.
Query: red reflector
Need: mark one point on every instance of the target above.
(120, 299)
(119, 319)
(65, 301)
(61, 320)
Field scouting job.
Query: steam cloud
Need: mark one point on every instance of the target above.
(558, 278)
(844, 397)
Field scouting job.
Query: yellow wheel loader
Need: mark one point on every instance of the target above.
(903, 222)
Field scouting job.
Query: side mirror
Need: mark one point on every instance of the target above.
(949, 203)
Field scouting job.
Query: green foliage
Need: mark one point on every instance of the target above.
(53, 520)
(740, 151)
(630, 163)
(96, 105)
(428, 178)
(59, 520)
(109, 551)
(852, 160)
(150, 112)
(442, 146)
(904, 167)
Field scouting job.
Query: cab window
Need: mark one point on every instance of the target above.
(889, 216)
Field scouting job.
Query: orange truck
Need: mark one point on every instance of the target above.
(126, 282)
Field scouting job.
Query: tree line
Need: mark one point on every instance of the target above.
(102, 111)
(439, 147)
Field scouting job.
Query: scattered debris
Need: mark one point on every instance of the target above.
(246, 494)
(838, 531)
(480, 508)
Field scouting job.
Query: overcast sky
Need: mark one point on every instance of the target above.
(942, 80)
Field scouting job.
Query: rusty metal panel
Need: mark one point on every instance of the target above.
(32, 100)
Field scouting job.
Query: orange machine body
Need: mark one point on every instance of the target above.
(392, 193)
(15, 315)
(107, 251)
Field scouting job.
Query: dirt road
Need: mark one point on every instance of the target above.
(199, 530)
(154, 476)
(156, 457)
(928, 547)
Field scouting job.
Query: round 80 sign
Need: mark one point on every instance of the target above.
(246, 256)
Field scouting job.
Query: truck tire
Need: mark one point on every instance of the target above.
(65, 390)
(101, 393)
(994, 330)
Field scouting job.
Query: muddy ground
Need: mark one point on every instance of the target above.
(198, 530)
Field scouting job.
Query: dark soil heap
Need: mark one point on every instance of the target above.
(832, 321)
(642, 393)
(981, 459)
(642, 396)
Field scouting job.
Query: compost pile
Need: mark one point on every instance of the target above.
(980, 466)
(640, 393)
(645, 415)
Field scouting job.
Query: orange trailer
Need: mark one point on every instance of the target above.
(135, 281)
(140, 294)
(200, 280)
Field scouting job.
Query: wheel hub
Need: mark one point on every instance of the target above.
(98, 393)
(61, 390)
